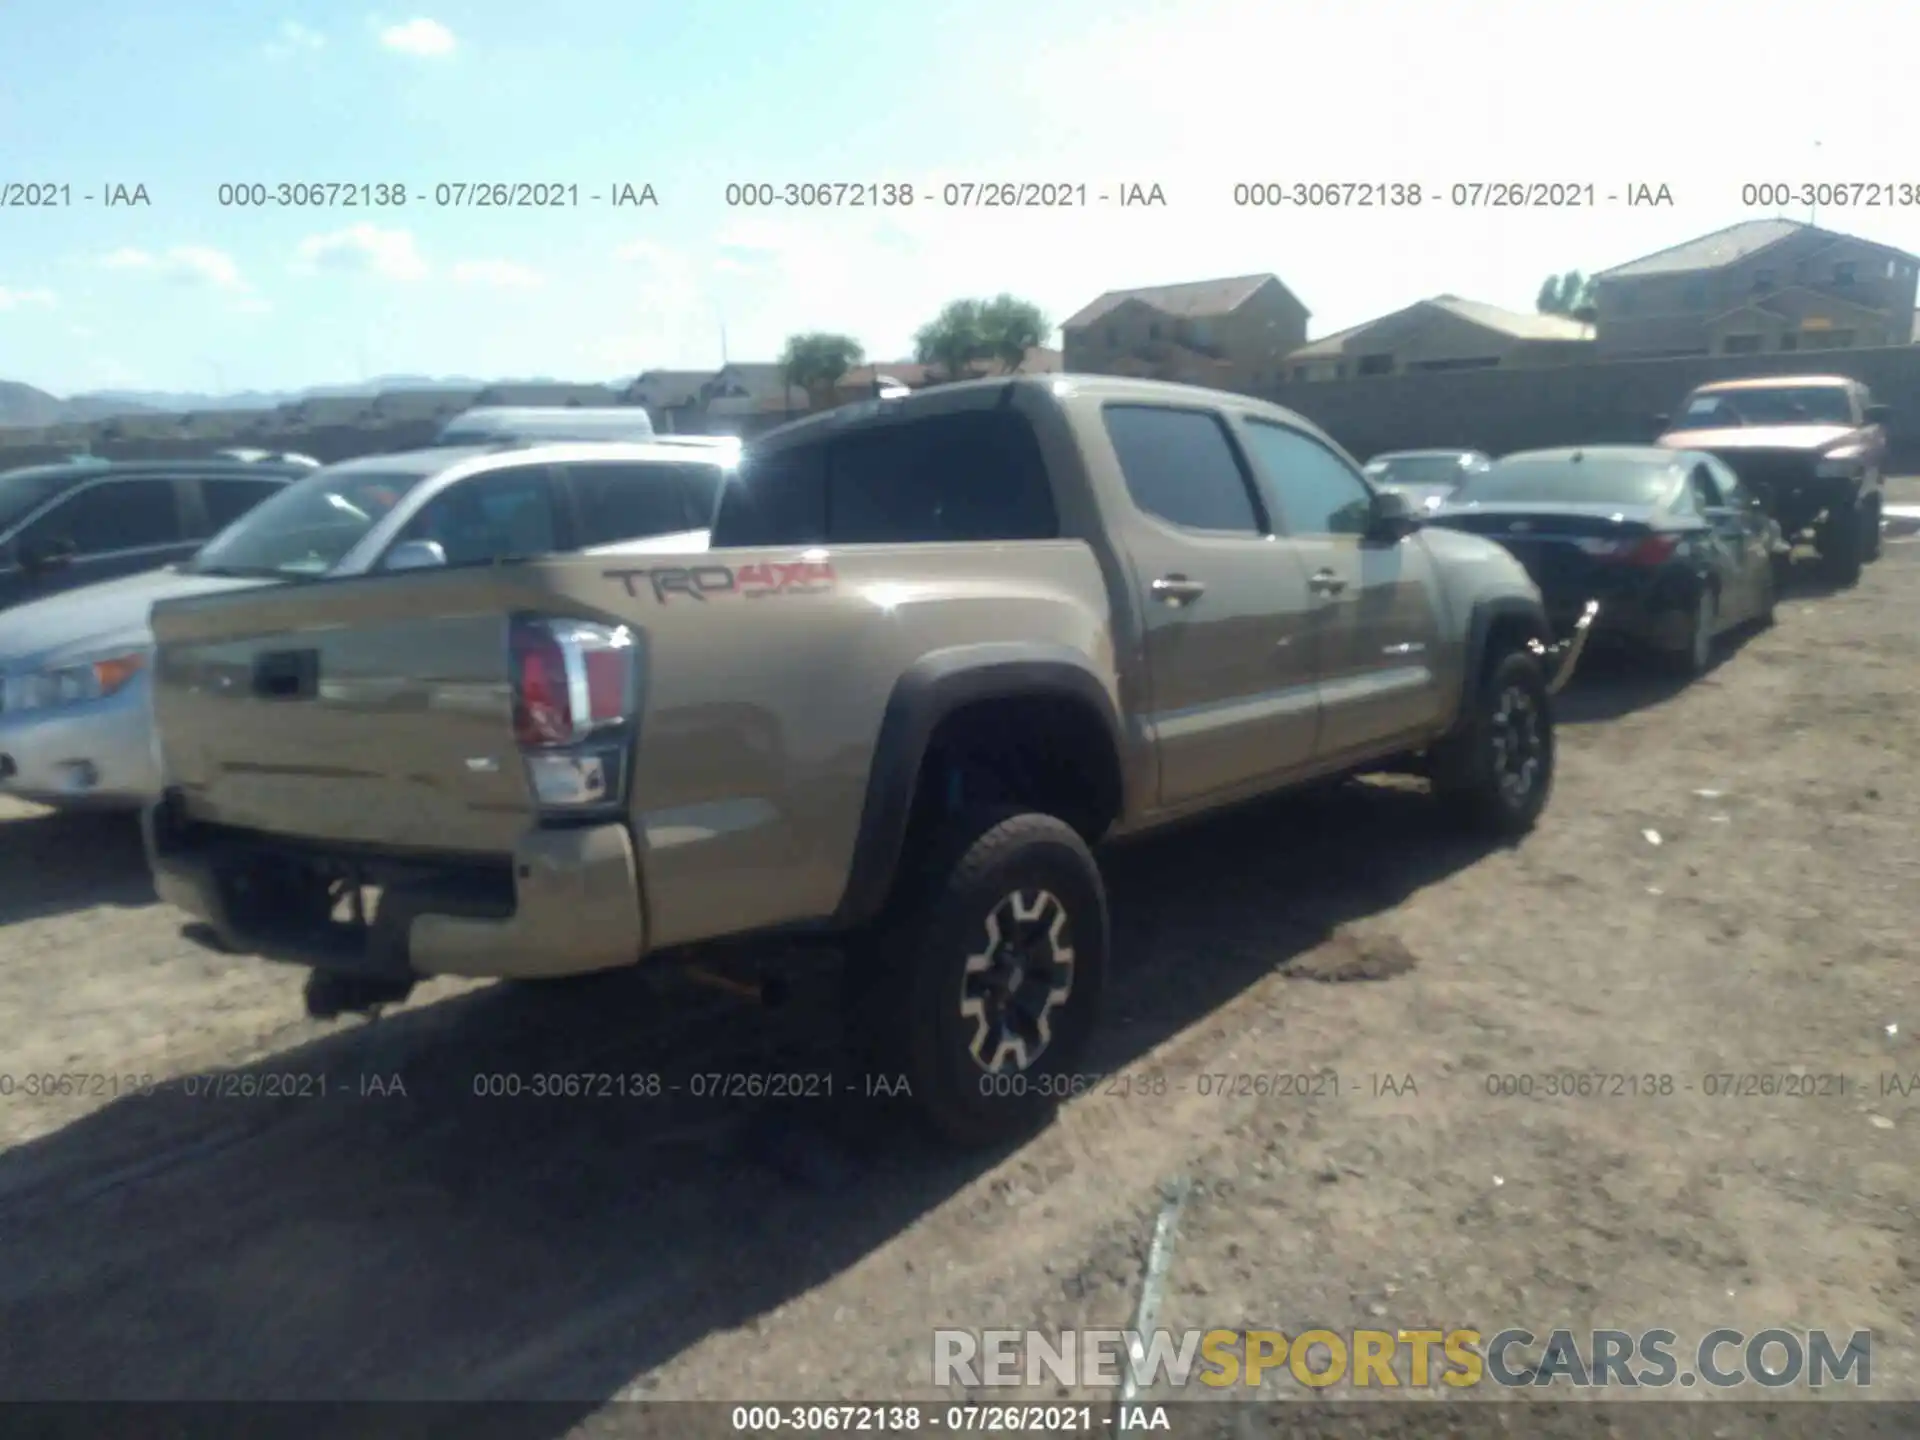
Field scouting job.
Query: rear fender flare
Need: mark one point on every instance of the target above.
(929, 690)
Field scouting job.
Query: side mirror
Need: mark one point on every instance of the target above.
(1392, 518)
(47, 555)
(415, 555)
(1878, 414)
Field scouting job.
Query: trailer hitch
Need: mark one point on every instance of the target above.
(1563, 655)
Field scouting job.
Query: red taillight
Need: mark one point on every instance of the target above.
(542, 698)
(1653, 550)
(570, 678)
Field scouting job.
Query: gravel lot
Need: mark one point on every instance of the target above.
(438, 1245)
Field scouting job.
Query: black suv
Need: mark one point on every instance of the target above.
(71, 524)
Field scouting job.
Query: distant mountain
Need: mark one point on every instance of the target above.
(22, 405)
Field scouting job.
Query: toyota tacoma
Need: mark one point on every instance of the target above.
(941, 647)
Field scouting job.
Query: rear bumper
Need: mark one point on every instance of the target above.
(567, 902)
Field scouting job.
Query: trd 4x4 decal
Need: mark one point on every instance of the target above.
(698, 582)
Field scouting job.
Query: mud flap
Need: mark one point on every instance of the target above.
(1560, 658)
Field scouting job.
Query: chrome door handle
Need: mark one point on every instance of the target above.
(1178, 589)
(1325, 582)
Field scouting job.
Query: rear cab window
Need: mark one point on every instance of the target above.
(972, 475)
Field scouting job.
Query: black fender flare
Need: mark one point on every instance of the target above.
(1480, 626)
(929, 690)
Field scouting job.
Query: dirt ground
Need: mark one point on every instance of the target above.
(437, 1244)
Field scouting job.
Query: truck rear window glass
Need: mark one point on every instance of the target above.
(975, 475)
(1179, 467)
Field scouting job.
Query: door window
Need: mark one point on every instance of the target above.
(1180, 467)
(1706, 489)
(501, 515)
(110, 516)
(629, 501)
(227, 500)
(1319, 493)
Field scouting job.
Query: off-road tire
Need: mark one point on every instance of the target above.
(908, 979)
(1467, 766)
(1841, 543)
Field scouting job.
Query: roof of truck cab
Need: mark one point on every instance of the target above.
(968, 394)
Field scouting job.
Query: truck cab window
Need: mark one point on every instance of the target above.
(501, 515)
(975, 475)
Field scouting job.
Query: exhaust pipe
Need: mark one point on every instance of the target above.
(1564, 656)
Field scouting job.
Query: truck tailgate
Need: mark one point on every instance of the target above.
(362, 711)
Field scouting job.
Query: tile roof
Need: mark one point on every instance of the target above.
(1520, 324)
(1515, 323)
(1709, 252)
(1191, 300)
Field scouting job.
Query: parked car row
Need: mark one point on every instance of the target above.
(1686, 539)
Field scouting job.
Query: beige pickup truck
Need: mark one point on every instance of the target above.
(940, 648)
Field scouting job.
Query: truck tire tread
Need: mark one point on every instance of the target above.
(1465, 777)
(905, 976)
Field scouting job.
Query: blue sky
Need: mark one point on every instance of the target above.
(186, 295)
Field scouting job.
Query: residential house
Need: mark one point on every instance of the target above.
(751, 388)
(221, 424)
(671, 397)
(1233, 334)
(1761, 286)
(665, 389)
(399, 407)
(546, 392)
(320, 411)
(1443, 333)
(858, 383)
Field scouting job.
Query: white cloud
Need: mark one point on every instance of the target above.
(21, 299)
(498, 275)
(362, 250)
(182, 264)
(419, 36)
(292, 39)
